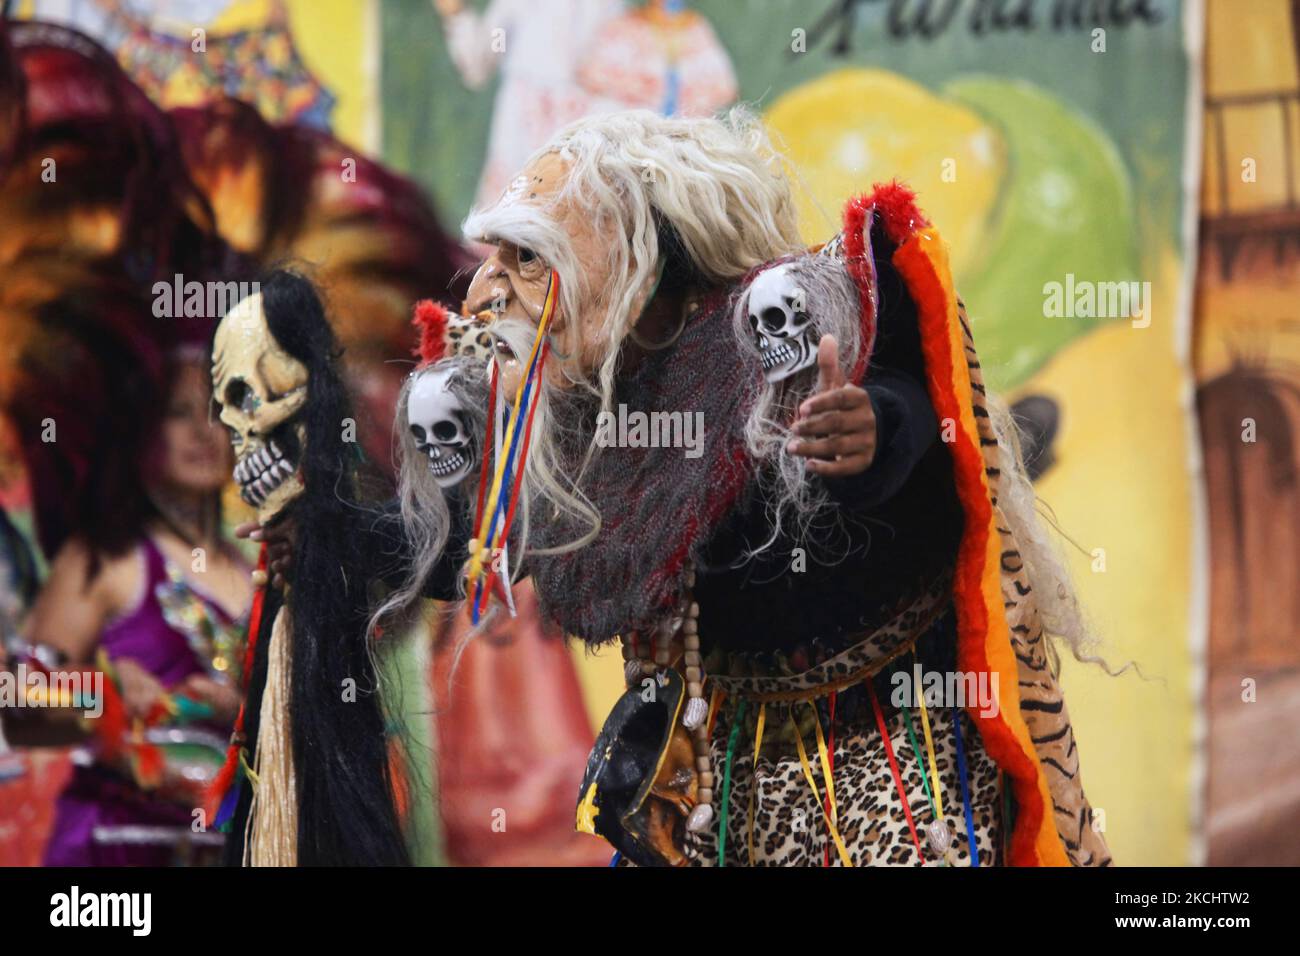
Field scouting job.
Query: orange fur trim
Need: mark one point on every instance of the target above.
(983, 640)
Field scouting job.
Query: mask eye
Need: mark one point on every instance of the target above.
(444, 431)
(526, 256)
(239, 395)
(418, 434)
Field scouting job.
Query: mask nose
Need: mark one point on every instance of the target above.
(490, 286)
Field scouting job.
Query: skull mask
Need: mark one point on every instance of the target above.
(783, 331)
(437, 421)
(260, 390)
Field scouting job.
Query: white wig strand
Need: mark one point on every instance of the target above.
(425, 516)
(718, 183)
(831, 300)
(551, 483)
(1058, 605)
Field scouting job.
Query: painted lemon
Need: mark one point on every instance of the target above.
(1067, 208)
(852, 128)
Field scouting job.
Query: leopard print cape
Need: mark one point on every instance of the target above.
(1042, 705)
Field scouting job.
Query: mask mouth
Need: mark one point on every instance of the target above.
(448, 465)
(259, 473)
(778, 356)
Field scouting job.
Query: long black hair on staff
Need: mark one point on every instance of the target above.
(346, 810)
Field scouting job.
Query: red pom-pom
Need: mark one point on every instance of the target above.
(431, 320)
(899, 214)
(900, 217)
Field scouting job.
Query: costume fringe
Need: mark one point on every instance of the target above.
(271, 838)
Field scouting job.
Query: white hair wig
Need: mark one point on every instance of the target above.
(716, 183)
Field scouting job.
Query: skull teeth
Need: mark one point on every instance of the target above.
(447, 466)
(261, 472)
(777, 356)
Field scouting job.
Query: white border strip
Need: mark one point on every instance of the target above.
(1198, 611)
(372, 69)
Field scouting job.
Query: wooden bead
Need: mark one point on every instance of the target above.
(259, 578)
(703, 763)
(692, 643)
(704, 795)
(693, 611)
(648, 668)
(693, 677)
(706, 780)
(694, 688)
(690, 627)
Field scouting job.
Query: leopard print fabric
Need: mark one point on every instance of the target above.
(1041, 702)
(788, 825)
(468, 335)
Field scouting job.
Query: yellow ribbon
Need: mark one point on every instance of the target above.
(753, 788)
(243, 762)
(929, 749)
(826, 764)
(479, 546)
(808, 775)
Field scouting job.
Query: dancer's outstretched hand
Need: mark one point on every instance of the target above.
(837, 425)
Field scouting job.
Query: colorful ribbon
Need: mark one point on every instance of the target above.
(496, 510)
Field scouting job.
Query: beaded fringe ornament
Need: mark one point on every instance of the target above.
(659, 657)
(271, 834)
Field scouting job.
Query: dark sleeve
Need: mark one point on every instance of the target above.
(906, 427)
(906, 424)
(380, 538)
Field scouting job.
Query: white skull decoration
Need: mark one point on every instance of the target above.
(260, 390)
(437, 422)
(783, 330)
